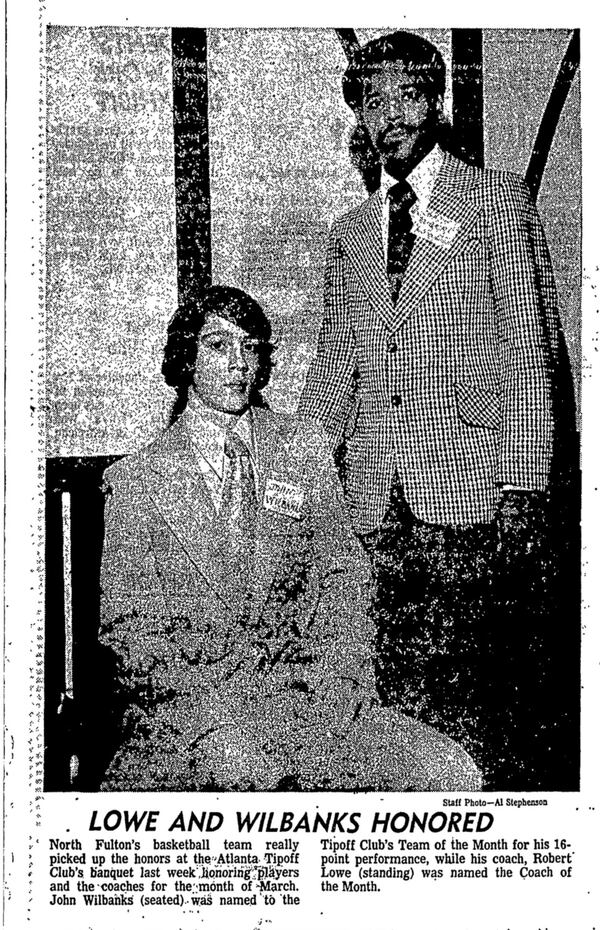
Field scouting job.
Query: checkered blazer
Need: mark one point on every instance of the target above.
(451, 386)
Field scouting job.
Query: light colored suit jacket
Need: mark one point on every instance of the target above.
(450, 388)
(237, 696)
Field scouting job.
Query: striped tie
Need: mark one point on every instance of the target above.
(236, 519)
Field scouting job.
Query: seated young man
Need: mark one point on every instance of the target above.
(235, 596)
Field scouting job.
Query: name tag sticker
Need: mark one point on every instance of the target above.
(282, 498)
(435, 227)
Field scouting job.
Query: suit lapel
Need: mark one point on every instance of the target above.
(428, 259)
(178, 490)
(365, 250)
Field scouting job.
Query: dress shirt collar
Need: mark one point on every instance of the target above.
(421, 178)
(207, 429)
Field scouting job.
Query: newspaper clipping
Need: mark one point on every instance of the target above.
(298, 624)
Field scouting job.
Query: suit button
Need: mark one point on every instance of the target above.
(391, 344)
(396, 400)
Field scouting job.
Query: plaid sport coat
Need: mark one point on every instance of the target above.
(450, 388)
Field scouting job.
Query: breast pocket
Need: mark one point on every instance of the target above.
(478, 406)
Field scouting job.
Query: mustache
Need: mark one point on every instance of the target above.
(382, 135)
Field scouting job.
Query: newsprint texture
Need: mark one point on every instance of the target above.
(298, 622)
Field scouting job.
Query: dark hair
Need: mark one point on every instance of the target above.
(419, 57)
(181, 349)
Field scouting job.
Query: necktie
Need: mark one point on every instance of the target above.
(236, 520)
(400, 237)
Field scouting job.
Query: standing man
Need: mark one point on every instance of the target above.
(434, 379)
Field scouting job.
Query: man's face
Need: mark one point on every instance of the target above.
(226, 366)
(399, 116)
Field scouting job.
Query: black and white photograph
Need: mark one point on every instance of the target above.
(313, 473)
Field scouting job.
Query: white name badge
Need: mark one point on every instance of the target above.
(285, 499)
(427, 224)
